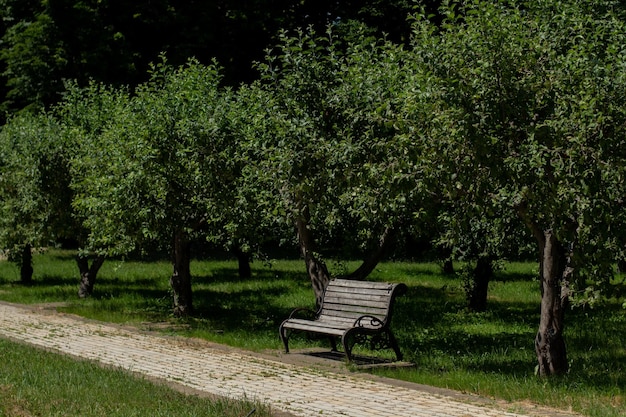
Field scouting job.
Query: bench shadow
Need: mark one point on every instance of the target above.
(358, 361)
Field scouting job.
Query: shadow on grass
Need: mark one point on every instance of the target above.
(231, 275)
(139, 293)
(595, 341)
(413, 271)
(245, 310)
(242, 307)
(503, 276)
(436, 332)
(53, 280)
(432, 326)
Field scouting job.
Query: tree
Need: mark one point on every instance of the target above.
(162, 170)
(114, 42)
(330, 148)
(481, 238)
(535, 122)
(34, 61)
(249, 224)
(85, 114)
(34, 188)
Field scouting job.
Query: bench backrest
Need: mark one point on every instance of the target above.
(347, 300)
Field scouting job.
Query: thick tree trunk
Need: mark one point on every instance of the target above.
(180, 280)
(479, 285)
(316, 268)
(375, 257)
(88, 274)
(555, 273)
(26, 267)
(243, 259)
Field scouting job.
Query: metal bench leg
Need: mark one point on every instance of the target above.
(394, 344)
(333, 344)
(285, 338)
(347, 348)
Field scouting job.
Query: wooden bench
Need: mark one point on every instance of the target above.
(355, 311)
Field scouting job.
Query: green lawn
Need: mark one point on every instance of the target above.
(38, 383)
(489, 353)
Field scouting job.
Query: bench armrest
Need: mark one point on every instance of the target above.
(306, 311)
(375, 322)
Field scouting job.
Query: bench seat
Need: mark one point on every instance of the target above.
(352, 311)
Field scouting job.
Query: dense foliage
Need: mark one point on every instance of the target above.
(44, 42)
(499, 123)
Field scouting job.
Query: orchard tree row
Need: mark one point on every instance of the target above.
(498, 123)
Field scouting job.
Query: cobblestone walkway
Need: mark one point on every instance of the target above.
(298, 390)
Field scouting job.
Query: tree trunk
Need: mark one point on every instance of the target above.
(479, 285)
(316, 268)
(88, 274)
(375, 257)
(180, 280)
(555, 273)
(243, 259)
(448, 264)
(26, 265)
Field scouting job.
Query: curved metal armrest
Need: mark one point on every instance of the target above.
(308, 312)
(375, 322)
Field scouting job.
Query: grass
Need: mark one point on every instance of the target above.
(38, 383)
(489, 354)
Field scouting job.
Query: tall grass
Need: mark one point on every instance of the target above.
(490, 353)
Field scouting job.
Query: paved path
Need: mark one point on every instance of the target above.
(218, 370)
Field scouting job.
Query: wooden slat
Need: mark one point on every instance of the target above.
(361, 284)
(337, 320)
(348, 323)
(361, 311)
(350, 314)
(315, 326)
(358, 296)
(358, 292)
(355, 302)
(334, 327)
(387, 289)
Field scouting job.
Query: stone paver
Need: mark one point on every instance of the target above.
(301, 391)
